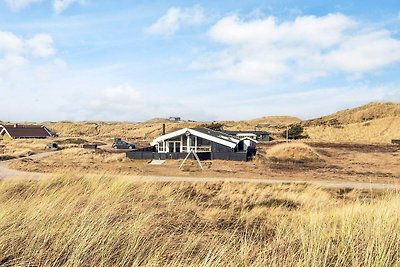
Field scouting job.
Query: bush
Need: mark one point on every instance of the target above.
(295, 132)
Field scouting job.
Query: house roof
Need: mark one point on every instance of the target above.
(249, 138)
(208, 134)
(26, 131)
(217, 134)
(246, 132)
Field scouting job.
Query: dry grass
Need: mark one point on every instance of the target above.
(375, 122)
(76, 159)
(17, 154)
(344, 162)
(130, 131)
(264, 123)
(13, 146)
(375, 131)
(151, 129)
(20, 148)
(371, 111)
(294, 152)
(371, 123)
(71, 220)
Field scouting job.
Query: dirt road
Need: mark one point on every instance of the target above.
(7, 173)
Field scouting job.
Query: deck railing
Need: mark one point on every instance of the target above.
(199, 148)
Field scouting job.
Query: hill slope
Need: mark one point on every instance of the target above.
(360, 114)
(374, 122)
(269, 121)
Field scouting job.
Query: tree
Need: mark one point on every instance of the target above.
(295, 131)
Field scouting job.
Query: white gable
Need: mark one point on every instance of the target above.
(226, 141)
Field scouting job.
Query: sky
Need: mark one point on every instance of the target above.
(133, 60)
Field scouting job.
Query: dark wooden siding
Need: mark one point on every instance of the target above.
(147, 155)
(216, 148)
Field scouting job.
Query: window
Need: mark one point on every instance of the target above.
(203, 142)
(161, 146)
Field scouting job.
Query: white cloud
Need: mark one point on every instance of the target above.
(316, 31)
(60, 5)
(124, 102)
(175, 19)
(127, 102)
(261, 51)
(10, 43)
(364, 52)
(20, 4)
(41, 45)
(113, 100)
(121, 95)
(19, 62)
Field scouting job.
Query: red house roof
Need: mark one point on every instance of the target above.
(27, 131)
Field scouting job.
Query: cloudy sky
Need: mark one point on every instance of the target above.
(202, 60)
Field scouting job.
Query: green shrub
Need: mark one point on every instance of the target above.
(294, 132)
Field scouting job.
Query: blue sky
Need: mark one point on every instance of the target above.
(201, 60)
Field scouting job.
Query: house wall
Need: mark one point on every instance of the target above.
(147, 155)
(260, 135)
(235, 156)
(216, 148)
(263, 137)
(4, 135)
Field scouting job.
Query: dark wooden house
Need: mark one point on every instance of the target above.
(207, 143)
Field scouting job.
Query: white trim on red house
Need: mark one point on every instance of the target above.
(47, 130)
(4, 129)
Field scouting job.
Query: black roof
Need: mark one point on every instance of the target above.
(246, 132)
(214, 133)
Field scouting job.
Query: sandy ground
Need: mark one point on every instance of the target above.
(339, 162)
(7, 173)
(344, 165)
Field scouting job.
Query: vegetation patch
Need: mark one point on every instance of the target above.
(7, 157)
(295, 152)
(76, 220)
(275, 203)
(77, 141)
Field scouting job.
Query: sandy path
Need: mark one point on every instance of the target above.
(7, 173)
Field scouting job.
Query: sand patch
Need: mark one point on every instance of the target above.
(293, 152)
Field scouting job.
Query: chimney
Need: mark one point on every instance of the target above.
(163, 129)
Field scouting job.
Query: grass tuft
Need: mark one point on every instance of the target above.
(75, 220)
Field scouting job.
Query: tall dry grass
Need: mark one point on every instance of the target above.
(19, 148)
(72, 220)
(381, 130)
